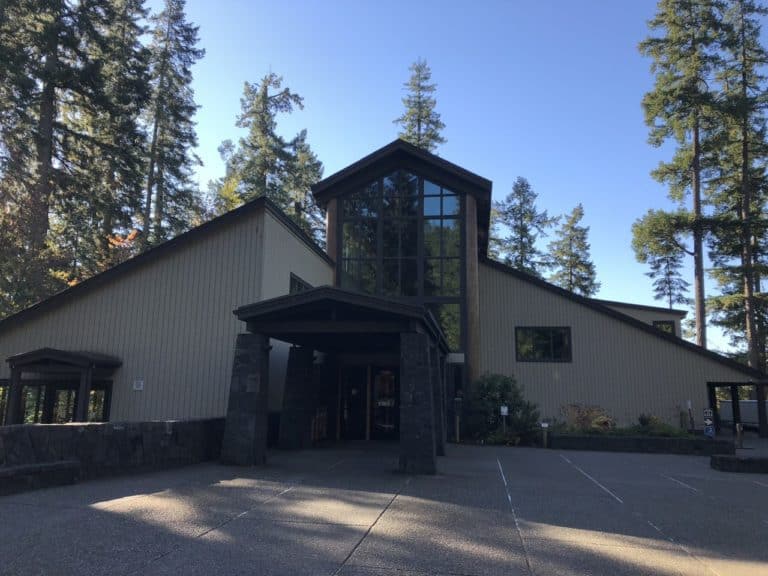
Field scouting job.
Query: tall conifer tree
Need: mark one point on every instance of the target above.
(570, 258)
(737, 191)
(420, 124)
(517, 226)
(171, 197)
(265, 164)
(684, 54)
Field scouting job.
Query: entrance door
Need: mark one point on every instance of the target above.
(354, 388)
(385, 405)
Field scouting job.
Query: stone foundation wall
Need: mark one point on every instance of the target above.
(100, 449)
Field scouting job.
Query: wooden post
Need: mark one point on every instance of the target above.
(83, 395)
(735, 408)
(13, 411)
(762, 419)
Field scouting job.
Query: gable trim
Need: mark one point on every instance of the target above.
(159, 251)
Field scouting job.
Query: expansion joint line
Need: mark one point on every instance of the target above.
(514, 517)
(370, 528)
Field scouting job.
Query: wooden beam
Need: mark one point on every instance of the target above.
(13, 411)
(276, 329)
(735, 407)
(83, 395)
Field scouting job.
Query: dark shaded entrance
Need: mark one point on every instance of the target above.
(364, 367)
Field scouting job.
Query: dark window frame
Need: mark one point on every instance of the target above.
(448, 189)
(298, 284)
(551, 358)
(667, 326)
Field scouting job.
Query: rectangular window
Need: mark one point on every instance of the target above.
(667, 326)
(543, 344)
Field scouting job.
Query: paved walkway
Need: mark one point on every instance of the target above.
(344, 512)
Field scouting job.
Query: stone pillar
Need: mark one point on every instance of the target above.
(437, 399)
(299, 404)
(245, 429)
(13, 411)
(83, 395)
(417, 419)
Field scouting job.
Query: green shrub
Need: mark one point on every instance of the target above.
(483, 421)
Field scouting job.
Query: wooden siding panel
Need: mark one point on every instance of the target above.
(615, 365)
(170, 320)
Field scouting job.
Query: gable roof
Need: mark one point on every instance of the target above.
(161, 250)
(402, 154)
(605, 310)
(53, 355)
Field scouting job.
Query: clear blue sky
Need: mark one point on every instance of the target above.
(548, 90)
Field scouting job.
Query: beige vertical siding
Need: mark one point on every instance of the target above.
(647, 316)
(170, 319)
(284, 255)
(615, 365)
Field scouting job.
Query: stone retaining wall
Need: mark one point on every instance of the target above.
(698, 446)
(100, 449)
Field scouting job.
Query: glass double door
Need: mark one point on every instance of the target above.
(369, 403)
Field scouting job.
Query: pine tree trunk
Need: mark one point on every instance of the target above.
(753, 351)
(41, 196)
(153, 150)
(698, 241)
(157, 229)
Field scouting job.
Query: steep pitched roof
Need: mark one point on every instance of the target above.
(401, 154)
(605, 310)
(159, 251)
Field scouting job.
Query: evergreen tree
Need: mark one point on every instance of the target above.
(266, 164)
(172, 200)
(679, 107)
(737, 190)
(659, 240)
(570, 258)
(304, 169)
(420, 124)
(111, 158)
(516, 227)
(50, 79)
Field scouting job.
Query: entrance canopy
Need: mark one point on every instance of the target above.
(51, 362)
(339, 321)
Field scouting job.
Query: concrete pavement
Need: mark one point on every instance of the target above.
(345, 512)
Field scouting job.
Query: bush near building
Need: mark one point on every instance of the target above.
(483, 414)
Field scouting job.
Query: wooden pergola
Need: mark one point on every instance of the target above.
(50, 362)
(733, 387)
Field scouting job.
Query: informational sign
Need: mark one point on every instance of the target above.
(504, 410)
(138, 385)
(709, 423)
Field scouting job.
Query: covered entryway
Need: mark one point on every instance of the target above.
(55, 386)
(361, 367)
